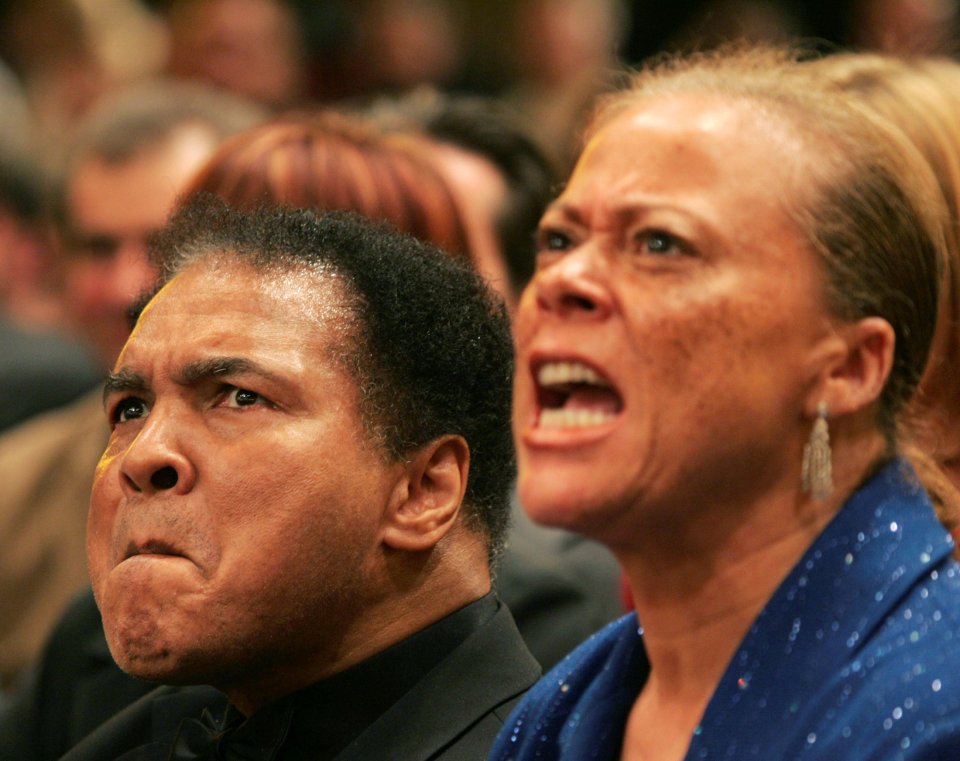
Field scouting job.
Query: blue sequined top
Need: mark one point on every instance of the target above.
(856, 656)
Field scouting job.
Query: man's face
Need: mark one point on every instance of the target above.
(113, 209)
(238, 505)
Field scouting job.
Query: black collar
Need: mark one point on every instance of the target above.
(324, 718)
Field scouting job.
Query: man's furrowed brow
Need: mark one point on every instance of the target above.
(124, 381)
(202, 369)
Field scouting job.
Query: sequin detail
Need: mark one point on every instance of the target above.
(854, 657)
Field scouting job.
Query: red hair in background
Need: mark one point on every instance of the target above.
(328, 161)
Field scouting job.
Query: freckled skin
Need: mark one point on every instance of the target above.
(274, 521)
(712, 344)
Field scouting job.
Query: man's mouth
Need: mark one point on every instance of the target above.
(570, 394)
(151, 547)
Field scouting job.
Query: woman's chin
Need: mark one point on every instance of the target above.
(550, 502)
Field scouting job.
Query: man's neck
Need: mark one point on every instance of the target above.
(411, 596)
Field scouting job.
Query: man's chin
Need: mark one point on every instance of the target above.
(152, 663)
(137, 635)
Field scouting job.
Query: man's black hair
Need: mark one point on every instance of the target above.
(433, 353)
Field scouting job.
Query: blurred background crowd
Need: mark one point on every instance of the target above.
(545, 59)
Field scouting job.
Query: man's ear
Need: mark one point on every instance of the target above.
(855, 375)
(426, 504)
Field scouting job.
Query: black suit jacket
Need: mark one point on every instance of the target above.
(453, 714)
(75, 688)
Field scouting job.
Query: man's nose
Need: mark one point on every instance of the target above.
(155, 461)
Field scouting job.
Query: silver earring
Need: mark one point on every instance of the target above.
(816, 475)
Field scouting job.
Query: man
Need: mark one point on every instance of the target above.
(122, 174)
(307, 477)
(559, 586)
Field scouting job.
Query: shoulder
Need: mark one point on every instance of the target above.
(456, 710)
(147, 728)
(595, 684)
(897, 694)
(907, 677)
(560, 587)
(75, 688)
(54, 431)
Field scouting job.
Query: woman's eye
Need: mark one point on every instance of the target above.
(130, 409)
(241, 397)
(554, 240)
(660, 243)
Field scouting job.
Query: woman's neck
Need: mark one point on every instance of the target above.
(697, 589)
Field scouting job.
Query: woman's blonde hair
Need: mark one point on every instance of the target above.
(865, 199)
(921, 96)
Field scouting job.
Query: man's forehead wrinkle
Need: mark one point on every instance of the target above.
(201, 369)
(124, 380)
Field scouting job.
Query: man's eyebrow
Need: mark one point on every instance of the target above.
(123, 381)
(202, 369)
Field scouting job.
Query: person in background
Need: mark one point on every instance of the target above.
(40, 368)
(502, 180)
(325, 160)
(307, 478)
(548, 59)
(119, 182)
(251, 48)
(735, 299)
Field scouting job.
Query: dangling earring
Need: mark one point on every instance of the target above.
(816, 475)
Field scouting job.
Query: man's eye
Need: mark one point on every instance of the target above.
(130, 409)
(659, 243)
(241, 397)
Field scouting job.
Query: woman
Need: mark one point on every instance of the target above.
(735, 298)
(920, 96)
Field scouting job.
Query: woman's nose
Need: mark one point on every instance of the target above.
(574, 286)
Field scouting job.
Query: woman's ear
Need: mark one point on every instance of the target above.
(855, 376)
(425, 505)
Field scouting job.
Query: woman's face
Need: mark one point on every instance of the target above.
(670, 343)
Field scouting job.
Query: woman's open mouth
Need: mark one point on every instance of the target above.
(571, 394)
